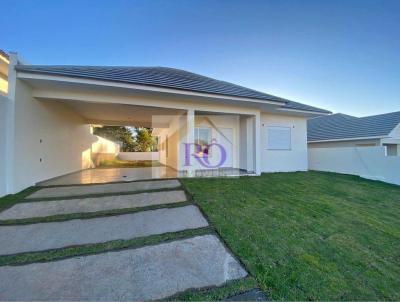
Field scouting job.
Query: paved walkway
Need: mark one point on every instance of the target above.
(90, 204)
(151, 272)
(145, 273)
(53, 235)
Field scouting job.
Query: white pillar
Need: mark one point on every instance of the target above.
(190, 139)
(250, 144)
(257, 143)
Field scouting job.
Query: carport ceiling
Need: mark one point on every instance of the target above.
(122, 114)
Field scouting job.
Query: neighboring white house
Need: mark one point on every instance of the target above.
(49, 111)
(340, 130)
(367, 146)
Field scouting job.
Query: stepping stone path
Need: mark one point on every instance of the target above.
(91, 204)
(53, 235)
(105, 188)
(140, 274)
(151, 272)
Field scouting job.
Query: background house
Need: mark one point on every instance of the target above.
(341, 130)
(367, 146)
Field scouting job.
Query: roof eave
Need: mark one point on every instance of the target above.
(346, 139)
(313, 112)
(89, 80)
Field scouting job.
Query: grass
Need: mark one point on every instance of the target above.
(119, 163)
(309, 235)
(231, 288)
(11, 199)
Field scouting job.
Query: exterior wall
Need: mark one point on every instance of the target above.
(367, 162)
(169, 138)
(139, 155)
(350, 143)
(49, 140)
(4, 103)
(294, 159)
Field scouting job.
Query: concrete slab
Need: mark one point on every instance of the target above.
(105, 188)
(52, 235)
(92, 204)
(152, 272)
(105, 175)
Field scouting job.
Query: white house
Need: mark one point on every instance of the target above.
(368, 146)
(340, 130)
(202, 123)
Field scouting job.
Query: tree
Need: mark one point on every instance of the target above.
(143, 139)
(131, 139)
(117, 134)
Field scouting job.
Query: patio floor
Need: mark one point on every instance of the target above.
(107, 175)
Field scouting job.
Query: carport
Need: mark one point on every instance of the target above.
(53, 141)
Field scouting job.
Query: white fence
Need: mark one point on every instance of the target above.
(367, 162)
(139, 155)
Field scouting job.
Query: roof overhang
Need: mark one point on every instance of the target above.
(346, 139)
(33, 76)
(303, 112)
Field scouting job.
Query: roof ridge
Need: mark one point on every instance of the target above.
(381, 114)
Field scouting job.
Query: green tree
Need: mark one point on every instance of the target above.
(144, 142)
(119, 134)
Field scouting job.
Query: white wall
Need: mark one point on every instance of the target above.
(103, 145)
(3, 138)
(294, 159)
(49, 140)
(172, 134)
(139, 155)
(367, 162)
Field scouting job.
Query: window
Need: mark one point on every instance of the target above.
(202, 138)
(278, 138)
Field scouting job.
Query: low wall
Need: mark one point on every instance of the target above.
(367, 162)
(103, 149)
(139, 155)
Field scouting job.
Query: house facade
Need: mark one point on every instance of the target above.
(202, 123)
(340, 130)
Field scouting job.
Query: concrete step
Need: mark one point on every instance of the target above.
(53, 235)
(91, 204)
(147, 273)
(67, 191)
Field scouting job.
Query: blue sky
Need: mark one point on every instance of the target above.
(339, 55)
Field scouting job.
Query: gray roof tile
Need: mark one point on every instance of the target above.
(163, 77)
(341, 126)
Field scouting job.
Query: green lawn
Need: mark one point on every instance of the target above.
(309, 235)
